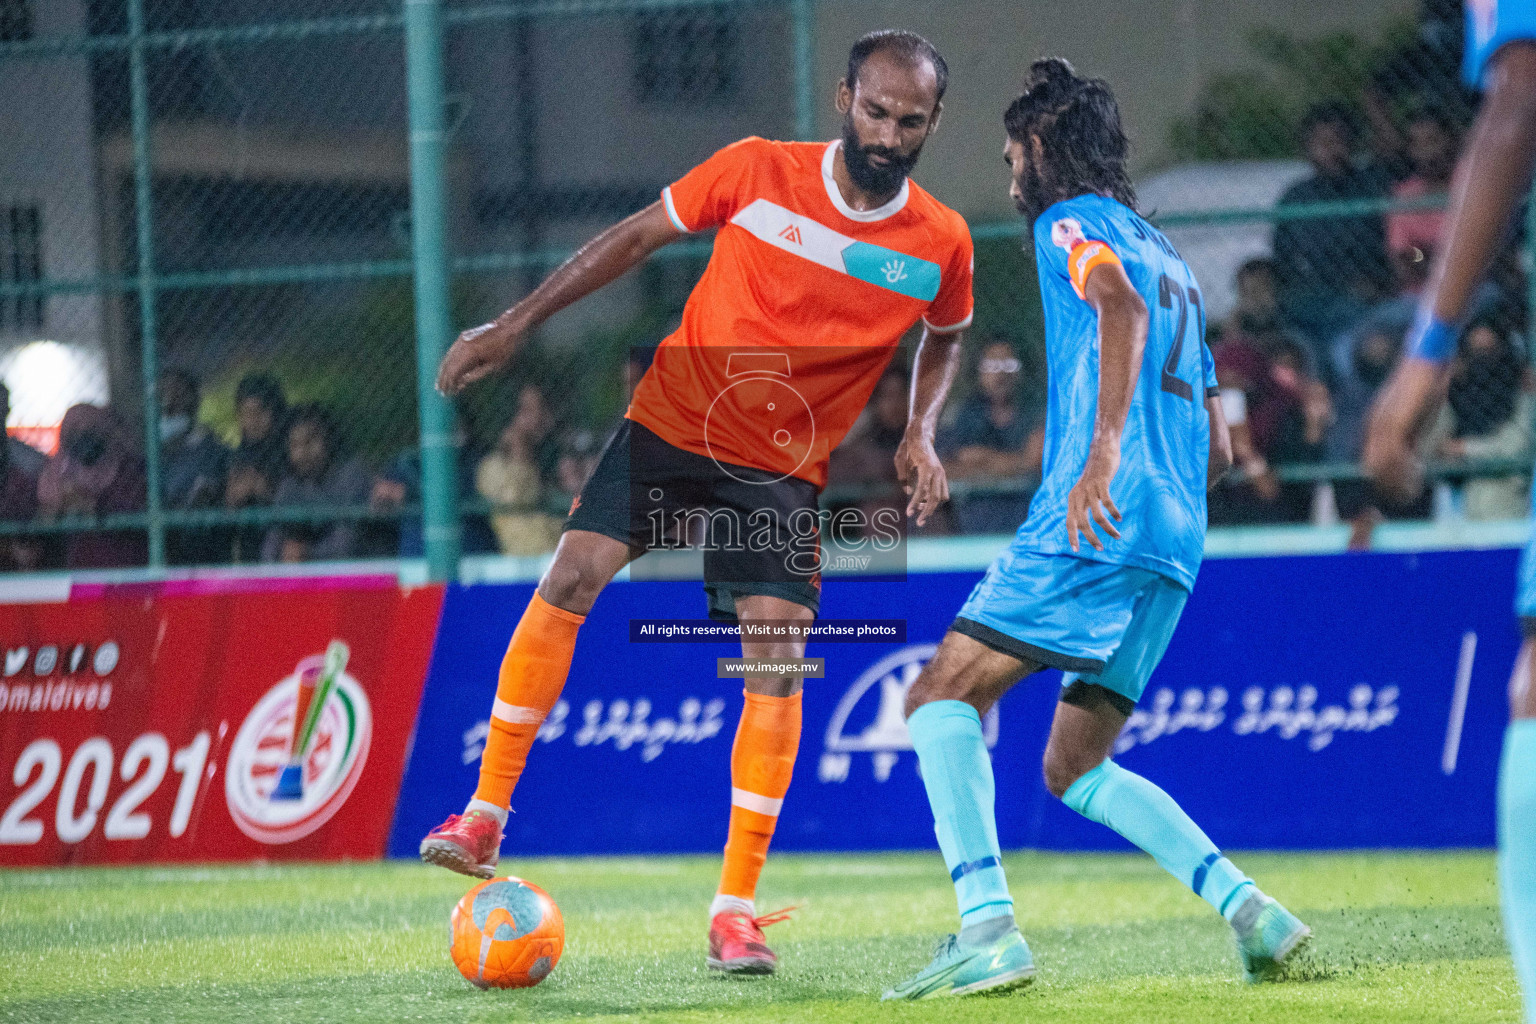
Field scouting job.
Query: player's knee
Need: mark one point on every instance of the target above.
(1062, 768)
(929, 687)
(571, 584)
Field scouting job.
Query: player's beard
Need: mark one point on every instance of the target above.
(1032, 194)
(876, 180)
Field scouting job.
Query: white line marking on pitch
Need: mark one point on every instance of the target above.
(1459, 703)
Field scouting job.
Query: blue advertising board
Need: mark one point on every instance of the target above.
(1305, 702)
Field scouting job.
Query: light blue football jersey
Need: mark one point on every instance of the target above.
(1490, 25)
(1160, 486)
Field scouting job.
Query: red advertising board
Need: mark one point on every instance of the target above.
(189, 722)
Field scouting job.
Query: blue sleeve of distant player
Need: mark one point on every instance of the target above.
(1208, 368)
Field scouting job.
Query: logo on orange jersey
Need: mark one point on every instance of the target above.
(791, 234)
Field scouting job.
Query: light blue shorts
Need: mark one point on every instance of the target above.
(1490, 25)
(1525, 588)
(1099, 623)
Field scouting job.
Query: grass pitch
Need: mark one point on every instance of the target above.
(1399, 938)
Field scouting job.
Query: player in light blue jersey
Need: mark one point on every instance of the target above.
(1493, 176)
(1097, 576)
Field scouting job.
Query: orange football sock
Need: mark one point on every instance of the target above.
(762, 761)
(532, 675)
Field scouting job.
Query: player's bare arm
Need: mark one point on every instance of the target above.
(917, 463)
(1488, 185)
(1123, 321)
(1401, 411)
(1221, 444)
(483, 350)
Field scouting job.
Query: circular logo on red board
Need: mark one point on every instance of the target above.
(298, 754)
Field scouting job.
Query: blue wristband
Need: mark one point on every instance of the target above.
(1431, 338)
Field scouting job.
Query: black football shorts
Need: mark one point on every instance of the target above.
(760, 531)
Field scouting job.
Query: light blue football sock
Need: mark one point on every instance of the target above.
(958, 776)
(1148, 817)
(1517, 852)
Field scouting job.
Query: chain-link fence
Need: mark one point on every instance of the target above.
(211, 264)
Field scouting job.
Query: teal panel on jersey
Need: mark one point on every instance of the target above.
(1160, 487)
(906, 275)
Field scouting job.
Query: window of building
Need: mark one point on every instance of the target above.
(687, 56)
(15, 21)
(21, 262)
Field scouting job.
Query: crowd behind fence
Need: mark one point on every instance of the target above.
(244, 260)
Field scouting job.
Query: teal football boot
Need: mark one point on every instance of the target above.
(1268, 936)
(959, 970)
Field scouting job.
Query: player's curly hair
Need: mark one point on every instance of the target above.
(1078, 123)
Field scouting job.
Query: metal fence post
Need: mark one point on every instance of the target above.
(429, 258)
(143, 187)
(803, 15)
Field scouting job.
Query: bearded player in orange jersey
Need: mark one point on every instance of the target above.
(826, 255)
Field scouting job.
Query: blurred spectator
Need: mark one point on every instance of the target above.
(1426, 65)
(259, 460)
(317, 475)
(192, 466)
(866, 459)
(98, 472)
(578, 457)
(400, 485)
(1277, 409)
(1331, 267)
(510, 479)
(1257, 311)
(20, 454)
(18, 504)
(192, 461)
(1432, 145)
(1487, 416)
(261, 410)
(1369, 353)
(994, 437)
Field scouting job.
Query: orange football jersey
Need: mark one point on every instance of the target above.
(803, 303)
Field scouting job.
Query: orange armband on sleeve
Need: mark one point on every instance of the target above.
(1083, 258)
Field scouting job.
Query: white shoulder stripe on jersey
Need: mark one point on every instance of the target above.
(809, 239)
(677, 222)
(792, 232)
(952, 328)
